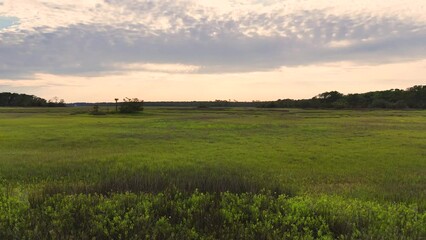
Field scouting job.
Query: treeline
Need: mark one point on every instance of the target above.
(414, 97)
(203, 104)
(196, 104)
(8, 99)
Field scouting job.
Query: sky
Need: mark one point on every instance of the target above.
(184, 50)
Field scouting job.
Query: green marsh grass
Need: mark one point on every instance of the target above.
(366, 168)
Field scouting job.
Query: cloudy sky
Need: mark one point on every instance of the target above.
(96, 50)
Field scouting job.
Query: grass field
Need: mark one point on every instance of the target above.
(212, 173)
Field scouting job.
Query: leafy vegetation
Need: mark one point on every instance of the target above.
(174, 215)
(131, 105)
(212, 174)
(414, 97)
(23, 100)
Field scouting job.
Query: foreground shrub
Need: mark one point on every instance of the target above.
(176, 215)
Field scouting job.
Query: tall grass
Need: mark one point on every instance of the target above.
(207, 179)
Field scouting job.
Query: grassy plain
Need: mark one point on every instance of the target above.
(362, 164)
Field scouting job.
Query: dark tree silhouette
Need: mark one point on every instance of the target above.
(414, 97)
(131, 105)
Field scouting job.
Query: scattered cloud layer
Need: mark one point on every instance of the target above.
(103, 37)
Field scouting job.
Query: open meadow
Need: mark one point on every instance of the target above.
(237, 173)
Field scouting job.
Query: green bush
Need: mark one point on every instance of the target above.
(131, 105)
(177, 215)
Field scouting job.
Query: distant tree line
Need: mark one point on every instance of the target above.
(414, 97)
(128, 105)
(8, 99)
(196, 104)
(208, 104)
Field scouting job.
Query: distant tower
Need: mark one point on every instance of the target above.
(116, 104)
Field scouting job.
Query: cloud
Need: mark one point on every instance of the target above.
(93, 38)
(165, 68)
